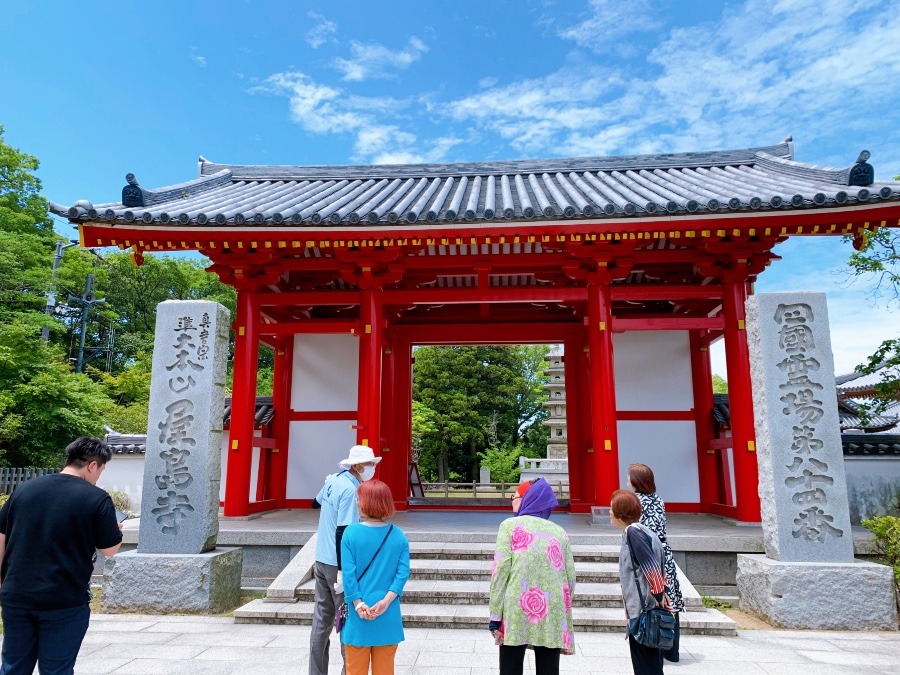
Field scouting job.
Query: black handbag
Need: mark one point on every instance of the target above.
(340, 616)
(656, 625)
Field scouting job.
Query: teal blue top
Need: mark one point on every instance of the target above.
(338, 500)
(388, 572)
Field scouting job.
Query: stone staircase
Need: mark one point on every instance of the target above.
(449, 584)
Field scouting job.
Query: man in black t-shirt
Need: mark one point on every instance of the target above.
(49, 530)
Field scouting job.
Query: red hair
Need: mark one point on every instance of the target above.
(374, 499)
(625, 506)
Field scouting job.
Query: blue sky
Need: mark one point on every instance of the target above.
(98, 89)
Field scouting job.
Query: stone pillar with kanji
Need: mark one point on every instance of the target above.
(808, 577)
(177, 566)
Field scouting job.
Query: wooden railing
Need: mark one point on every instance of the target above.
(485, 491)
(11, 478)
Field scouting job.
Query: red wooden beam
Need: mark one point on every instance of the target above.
(313, 326)
(309, 299)
(494, 294)
(663, 323)
(490, 333)
(665, 292)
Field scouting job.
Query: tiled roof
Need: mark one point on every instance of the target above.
(753, 179)
(851, 418)
(131, 444)
(875, 445)
(860, 383)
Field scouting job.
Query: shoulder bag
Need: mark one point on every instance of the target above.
(655, 625)
(340, 617)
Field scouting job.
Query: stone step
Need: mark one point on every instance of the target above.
(472, 570)
(454, 593)
(485, 551)
(420, 615)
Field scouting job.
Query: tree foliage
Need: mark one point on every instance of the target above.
(878, 260)
(472, 399)
(719, 385)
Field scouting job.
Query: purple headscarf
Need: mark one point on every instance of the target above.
(539, 500)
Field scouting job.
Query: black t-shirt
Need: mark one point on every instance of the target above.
(52, 525)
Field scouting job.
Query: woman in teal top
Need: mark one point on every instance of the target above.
(375, 567)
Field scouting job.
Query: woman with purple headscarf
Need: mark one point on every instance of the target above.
(532, 584)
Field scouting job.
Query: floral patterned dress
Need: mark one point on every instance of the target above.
(653, 516)
(532, 583)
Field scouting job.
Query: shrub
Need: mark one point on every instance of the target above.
(3, 500)
(887, 544)
(120, 500)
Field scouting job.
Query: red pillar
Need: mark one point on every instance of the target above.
(281, 401)
(573, 351)
(701, 376)
(740, 398)
(603, 392)
(243, 406)
(371, 345)
(400, 437)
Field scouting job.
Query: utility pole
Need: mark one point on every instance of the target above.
(51, 293)
(87, 301)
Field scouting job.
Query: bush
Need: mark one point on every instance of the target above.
(120, 500)
(887, 544)
(3, 500)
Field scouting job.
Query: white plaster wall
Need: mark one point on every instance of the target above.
(653, 370)
(326, 369)
(873, 485)
(325, 372)
(254, 466)
(314, 450)
(670, 449)
(125, 473)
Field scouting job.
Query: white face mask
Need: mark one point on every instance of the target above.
(367, 473)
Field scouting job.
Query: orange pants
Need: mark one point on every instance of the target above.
(357, 660)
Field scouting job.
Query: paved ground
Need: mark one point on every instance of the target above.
(218, 646)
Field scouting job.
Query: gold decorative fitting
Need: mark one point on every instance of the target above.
(751, 446)
(740, 324)
(234, 445)
(607, 445)
(241, 330)
(601, 325)
(368, 328)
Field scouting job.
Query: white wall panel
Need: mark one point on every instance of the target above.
(653, 370)
(314, 450)
(325, 372)
(670, 449)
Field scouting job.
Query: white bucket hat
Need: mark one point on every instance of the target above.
(359, 454)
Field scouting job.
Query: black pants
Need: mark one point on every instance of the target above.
(51, 638)
(672, 654)
(546, 660)
(645, 660)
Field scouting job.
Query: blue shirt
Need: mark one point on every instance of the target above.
(338, 500)
(388, 572)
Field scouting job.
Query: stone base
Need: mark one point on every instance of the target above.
(162, 583)
(830, 596)
(600, 515)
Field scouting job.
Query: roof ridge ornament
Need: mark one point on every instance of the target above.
(862, 173)
(133, 193)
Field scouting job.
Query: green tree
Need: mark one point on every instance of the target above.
(878, 260)
(719, 385)
(474, 398)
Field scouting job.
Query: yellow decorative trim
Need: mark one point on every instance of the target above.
(241, 330)
(751, 446)
(601, 325)
(253, 244)
(704, 233)
(590, 450)
(368, 328)
(740, 324)
(234, 445)
(607, 445)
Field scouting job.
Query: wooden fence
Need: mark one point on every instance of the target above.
(10, 479)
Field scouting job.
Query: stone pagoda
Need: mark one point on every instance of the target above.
(555, 468)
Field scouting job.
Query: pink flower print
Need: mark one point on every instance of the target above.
(555, 554)
(494, 566)
(534, 603)
(567, 641)
(521, 539)
(567, 597)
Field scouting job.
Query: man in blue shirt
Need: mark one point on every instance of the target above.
(337, 499)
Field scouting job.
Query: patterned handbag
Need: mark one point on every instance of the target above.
(340, 616)
(655, 627)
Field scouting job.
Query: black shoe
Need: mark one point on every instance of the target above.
(675, 659)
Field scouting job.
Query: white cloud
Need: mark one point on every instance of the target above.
(321, 33)
(608, 21)
(196, 57)
(375, 61)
